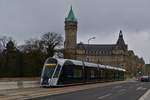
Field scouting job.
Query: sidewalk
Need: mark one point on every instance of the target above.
(15, 83)
(32, 93)
(146, 96)
(19, 79)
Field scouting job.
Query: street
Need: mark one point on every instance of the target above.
(119, 90)
(132, 90)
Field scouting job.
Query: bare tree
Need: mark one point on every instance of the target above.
(3, 42)
(32, 44)
(51, 41)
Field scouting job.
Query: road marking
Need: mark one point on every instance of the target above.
(145, 96)
(122, 90)
(141, 88)
(118, 86)
(104, 96)
(138, 88)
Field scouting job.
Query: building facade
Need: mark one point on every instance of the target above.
(108, 54)
(146, 69)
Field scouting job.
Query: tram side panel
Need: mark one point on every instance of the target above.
(102, 75)
(66, 75)
(112, 74)
(121, 75)
(116, 75)
(71, 74)
(91, 74)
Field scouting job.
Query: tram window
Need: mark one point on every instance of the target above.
(77, 73)
(92, 74)
(48, 71)
(68, 71)
(57, 71)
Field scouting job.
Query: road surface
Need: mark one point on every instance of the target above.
(132, 90)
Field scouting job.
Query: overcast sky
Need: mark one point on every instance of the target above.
(25, 19)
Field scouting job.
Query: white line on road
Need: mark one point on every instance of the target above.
(118, 86)
(122, 90)
(104, 96)
(141, 88)
(138, 88)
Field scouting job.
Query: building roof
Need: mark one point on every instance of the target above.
(96, 47)
(120, 40)
(71, 16)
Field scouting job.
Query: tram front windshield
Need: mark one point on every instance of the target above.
(49, 68)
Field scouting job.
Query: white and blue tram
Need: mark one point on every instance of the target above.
(61, 72)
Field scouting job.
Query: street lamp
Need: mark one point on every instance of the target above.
(88, 47)
(90, 39)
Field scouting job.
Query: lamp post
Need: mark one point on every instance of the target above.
(88, 47)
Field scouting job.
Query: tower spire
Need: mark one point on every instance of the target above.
(120, 40)
(120, 33)
(71, 16)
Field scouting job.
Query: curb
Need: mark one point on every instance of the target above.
(145, 96)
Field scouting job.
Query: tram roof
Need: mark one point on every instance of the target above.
(90, 64)
(61, 61)
(76, 62)
(115, 68)
(101, 66)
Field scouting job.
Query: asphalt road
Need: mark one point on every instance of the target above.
(124, 91)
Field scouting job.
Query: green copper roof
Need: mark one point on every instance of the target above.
(71, 16)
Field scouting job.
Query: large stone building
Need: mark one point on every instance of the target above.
(109, 54)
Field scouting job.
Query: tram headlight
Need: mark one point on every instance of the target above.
(49, 80)
(41, 80)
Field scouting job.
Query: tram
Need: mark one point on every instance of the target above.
(62, 72)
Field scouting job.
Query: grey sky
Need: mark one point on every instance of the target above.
(24, 19)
